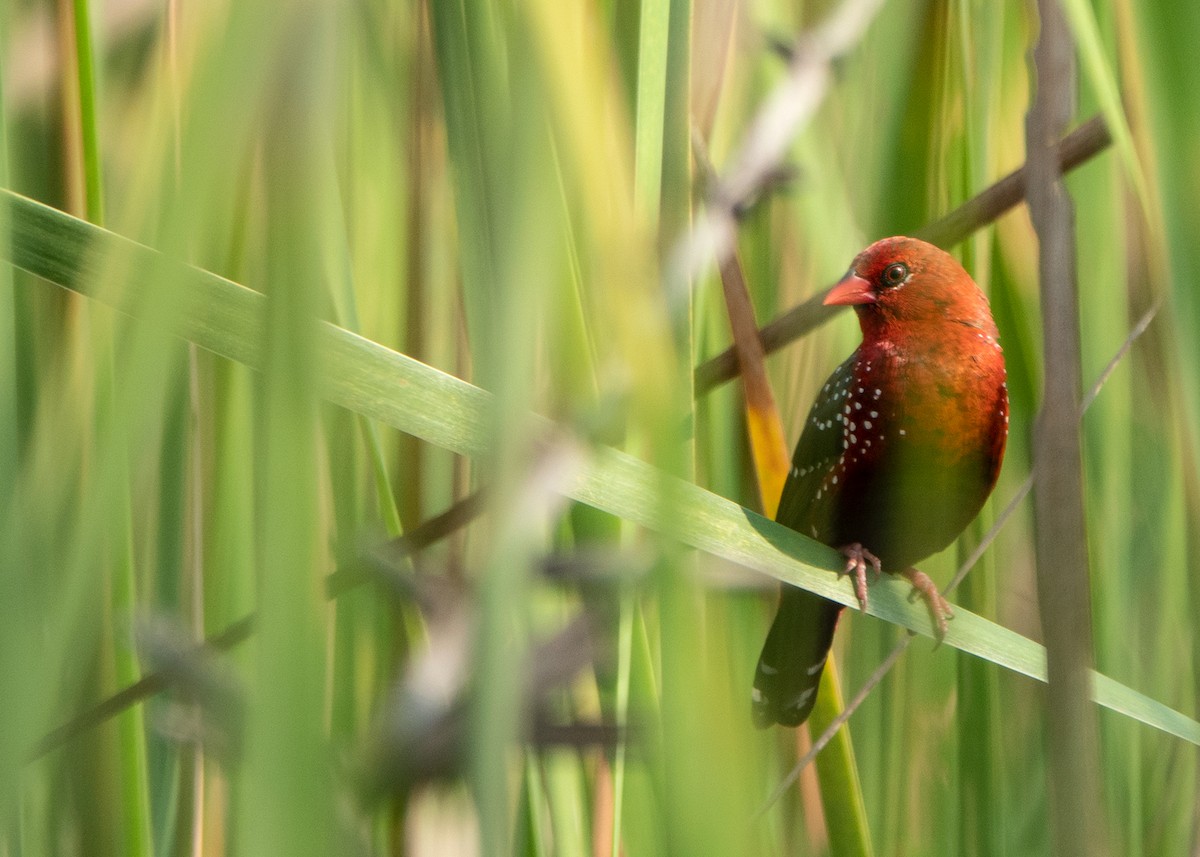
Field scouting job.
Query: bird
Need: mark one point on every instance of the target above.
(898, 453)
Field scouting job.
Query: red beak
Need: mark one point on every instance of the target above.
(852, 290)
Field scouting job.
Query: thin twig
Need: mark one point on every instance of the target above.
(1078, 147)
(391, 553)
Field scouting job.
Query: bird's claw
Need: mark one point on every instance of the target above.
(939, 608)
(857, 560)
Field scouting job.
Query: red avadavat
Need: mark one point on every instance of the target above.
(898, 454)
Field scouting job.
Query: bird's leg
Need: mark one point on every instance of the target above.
(857, 560)
(939, 607)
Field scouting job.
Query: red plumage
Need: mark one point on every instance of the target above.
(899, 452)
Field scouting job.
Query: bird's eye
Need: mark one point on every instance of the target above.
(894, 275)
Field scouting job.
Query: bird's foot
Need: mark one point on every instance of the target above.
(939, 607)
(857, 560)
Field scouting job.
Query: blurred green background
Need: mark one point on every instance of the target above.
(499, 189)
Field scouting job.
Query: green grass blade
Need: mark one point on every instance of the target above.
(1082, 20)
(653, 41)
(841, 786)
(374, 381)
(9, 434)
(86, 72)
(122, 602)
(287, 754)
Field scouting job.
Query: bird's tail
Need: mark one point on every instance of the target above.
(793, 657)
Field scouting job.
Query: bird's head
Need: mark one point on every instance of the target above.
(907, 282)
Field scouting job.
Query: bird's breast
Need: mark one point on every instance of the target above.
(945, 397)
(922, 436)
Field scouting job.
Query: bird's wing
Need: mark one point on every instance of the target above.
(793, 656)
(804, 505)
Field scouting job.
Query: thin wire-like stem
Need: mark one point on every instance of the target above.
(876, 677)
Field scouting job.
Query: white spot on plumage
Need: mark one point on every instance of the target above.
(903, 432)
(802, 698)
(866, 424)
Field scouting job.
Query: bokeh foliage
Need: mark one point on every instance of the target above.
(499, 189)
